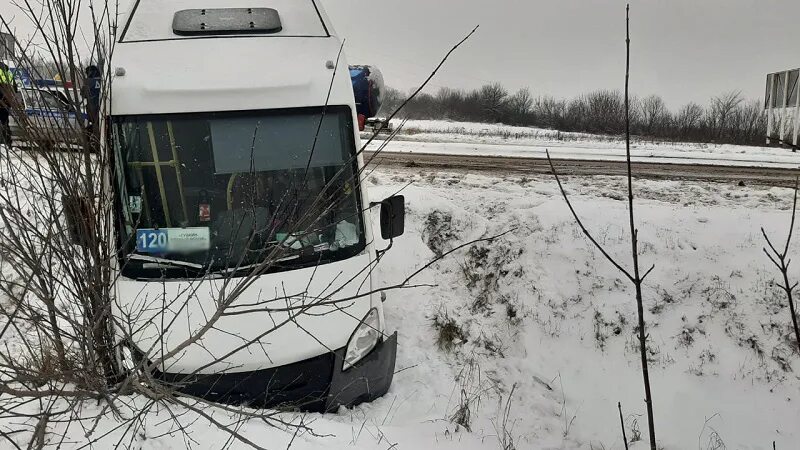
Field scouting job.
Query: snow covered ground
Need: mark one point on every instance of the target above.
(540, 309)
(460, 138)
(537, 322)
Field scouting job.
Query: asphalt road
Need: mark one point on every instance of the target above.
(512, 165)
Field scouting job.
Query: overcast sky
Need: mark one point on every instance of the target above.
(685, 50)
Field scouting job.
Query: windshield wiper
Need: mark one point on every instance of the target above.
(253, 266)
(165, 262)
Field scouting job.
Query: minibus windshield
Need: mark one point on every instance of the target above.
(218, 192)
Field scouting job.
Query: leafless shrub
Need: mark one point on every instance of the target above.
(636, 432)
(471, 389)
(722, 110)
(713, 441)
(513, 314)
(565, 415)
(599, 333)
(706, 357)
(728, 118)
(469, 270)
(504, 426)
(484, 268)
(634, 275)
(492, 99)
(439, 233)
(688, 120)
(653, 114)
(604, 329)
(781, 260)
(65, 329)
(448, 332)
(520, 106)
(686, 337)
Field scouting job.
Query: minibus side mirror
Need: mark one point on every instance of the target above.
(393, 217)
(80, 223)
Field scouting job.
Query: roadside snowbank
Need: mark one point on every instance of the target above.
(541, 309)
(455, 138)
(538, 313)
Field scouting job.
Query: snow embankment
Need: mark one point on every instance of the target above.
(540, 311)
(473, 139)
(531, 336)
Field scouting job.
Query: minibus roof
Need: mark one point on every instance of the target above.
(163, 72)
(152, 20)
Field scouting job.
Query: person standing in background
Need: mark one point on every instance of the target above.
(7, 95)
(91, 91)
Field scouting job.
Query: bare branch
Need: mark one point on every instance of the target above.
(648, 272)
(622, 425)
(780, 261)
(580, 222)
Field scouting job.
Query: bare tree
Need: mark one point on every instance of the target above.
(454, 105)
(550, 112)
(780, 258)
(520, 106)
(653, 114)
(729, 119)
(493, 100)
(721, 111)
(447, 101)
(63, 252)
(688, 120)
(577, 115)
(392, 99)
(635, 275)
(748, 123)
(421, 106)
(606, 110)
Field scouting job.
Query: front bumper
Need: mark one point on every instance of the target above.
(316, 385)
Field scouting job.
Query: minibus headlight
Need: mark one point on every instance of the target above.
(363, 340)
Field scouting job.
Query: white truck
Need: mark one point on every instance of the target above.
(233, 129)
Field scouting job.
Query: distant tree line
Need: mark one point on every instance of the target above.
(728, 118)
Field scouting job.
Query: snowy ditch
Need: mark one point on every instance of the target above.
(532, 336)
(541, 311)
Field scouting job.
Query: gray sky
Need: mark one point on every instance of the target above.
(685, 50)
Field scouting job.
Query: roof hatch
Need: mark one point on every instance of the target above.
(198, 22)
(170, 20)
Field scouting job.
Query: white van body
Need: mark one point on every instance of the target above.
(219, 81)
